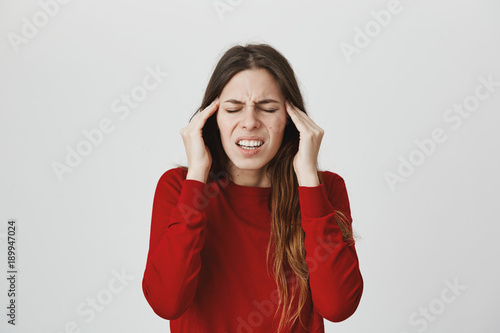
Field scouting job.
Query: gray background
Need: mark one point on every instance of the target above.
(438, 223)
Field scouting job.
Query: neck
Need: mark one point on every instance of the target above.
(250, 177)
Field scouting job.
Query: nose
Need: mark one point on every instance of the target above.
(250, 119)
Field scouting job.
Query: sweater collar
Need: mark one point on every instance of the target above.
(247, 190)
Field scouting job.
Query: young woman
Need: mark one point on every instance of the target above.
(252, 237)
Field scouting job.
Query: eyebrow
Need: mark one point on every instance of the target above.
(264, 101)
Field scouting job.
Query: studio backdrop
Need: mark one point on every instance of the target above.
(93, 95)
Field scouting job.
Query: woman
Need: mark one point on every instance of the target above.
(251, 228)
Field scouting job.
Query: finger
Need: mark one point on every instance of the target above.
(203, 115)
(214, 102)
(301, 114)
(304, 118)
(296, 117)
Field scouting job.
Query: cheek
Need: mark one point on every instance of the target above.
(277, 127)
(224, 129)
(220, 123)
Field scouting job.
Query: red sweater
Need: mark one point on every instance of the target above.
(206, 266)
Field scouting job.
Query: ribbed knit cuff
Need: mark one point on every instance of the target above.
(314, 202)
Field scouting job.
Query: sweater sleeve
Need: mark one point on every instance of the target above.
(334, 275)
(177, 236)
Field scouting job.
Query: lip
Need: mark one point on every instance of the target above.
(250, 137)
(249, 152)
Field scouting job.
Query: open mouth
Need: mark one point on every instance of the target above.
(250, 144)
(250, 148)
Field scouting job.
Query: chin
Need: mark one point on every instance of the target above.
(248, 165)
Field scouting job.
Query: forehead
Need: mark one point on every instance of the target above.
(252, 83)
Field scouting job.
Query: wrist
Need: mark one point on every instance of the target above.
(308, 179)
(199, 175)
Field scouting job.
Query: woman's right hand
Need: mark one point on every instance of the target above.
(198, 154)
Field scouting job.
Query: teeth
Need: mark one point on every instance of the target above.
(250, 143)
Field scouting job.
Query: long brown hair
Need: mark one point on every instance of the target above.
(287, 235)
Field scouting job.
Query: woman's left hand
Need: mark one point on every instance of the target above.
(306, 159)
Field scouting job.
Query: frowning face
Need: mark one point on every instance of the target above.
(251, 113)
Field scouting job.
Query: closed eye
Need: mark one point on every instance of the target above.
(266, 110)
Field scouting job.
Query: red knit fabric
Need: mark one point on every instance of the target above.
(206, 266)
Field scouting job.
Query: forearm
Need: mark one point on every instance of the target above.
(335, 278)
(173, 264)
